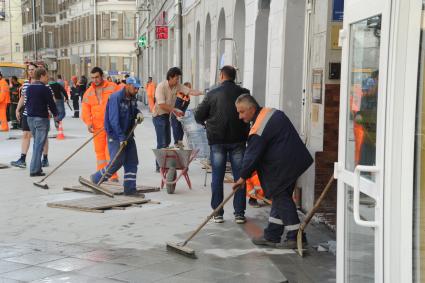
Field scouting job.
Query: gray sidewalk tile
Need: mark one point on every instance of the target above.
(101, 255)
(139, 276)
(205, 273)
(250, 278)
(6, 280)
(68, 264)
(7, 266)
(35, 258)
(105, 269)
(138, 261)
(30, 273)
(12, 252)
(74, 277)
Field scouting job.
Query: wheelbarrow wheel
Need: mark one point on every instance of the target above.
(171, 177)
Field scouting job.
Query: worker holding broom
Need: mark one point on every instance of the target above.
(276, 152)
(121, 114)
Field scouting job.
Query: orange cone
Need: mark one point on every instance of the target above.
(60, 135)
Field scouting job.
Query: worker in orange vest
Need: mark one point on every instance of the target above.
(4, 102)
(355, 102)
(150, 92)
(93, 113)
(254, 191)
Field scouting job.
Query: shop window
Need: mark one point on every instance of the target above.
(419, 182)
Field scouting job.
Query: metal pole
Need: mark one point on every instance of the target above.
(179, 35)
(137, 38)
(34, 30)
(10, 29)
(149, 42)
(95, 31)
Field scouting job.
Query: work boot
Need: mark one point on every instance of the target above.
(218, 219)
(45, 162)
(261, 241)
(253, 203)
(38, 174)
(134, 193)
(19, 163)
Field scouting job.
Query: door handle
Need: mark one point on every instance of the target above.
(356, 192)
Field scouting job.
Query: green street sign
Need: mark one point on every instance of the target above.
(142, 41)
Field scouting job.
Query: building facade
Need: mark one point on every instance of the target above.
(72, 36)
(11, 32)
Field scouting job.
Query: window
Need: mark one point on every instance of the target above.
(113, 66)
(17, 47)
(127, 64)
(128, 25)
(50, 39)
(114, 25)
(105, 25)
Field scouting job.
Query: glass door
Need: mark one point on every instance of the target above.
(359, 169)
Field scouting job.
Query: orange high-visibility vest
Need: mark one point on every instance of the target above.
(261, 121)
(253, 187)
(93, 110)
(4, 92)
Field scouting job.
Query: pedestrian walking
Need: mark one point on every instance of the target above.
(39, 102)
(21, 115)
(75, 95)
(227, 136)
(60, 97)
(82, 86)
(14, 99)
(93, 114)
(120, 116)
(150, 93)
(279, 156)
(182, 102)
(4, 103)
(165, 99)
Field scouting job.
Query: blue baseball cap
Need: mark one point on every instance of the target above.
(133, 81)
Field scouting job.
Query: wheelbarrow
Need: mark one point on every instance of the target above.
(170, 160)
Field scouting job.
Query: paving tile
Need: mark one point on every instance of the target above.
(101, 255)
(68, 264)
(73, 277)
(30, 273)
(169, 267)
(6, 280)
(178, 279)
(138, 276)
(12, 252)
(205, 273)
(138, 261)
(250, 278)
(70, 250)
(35, 258)
(105, 269)
(7, 266)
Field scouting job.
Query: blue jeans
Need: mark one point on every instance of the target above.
(163, 132)
(60, 106)
(39, 128)
(175, 124)
(128, 159)
(219, 153)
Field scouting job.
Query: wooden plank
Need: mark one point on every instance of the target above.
(53, 205)
(116, 190)
(98, 202)
(95, 187)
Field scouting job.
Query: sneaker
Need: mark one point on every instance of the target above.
(19, 163)
(218, 219)
(261, 241)
(45, 162)
(38, 174)
(253, 203)
(240, 219)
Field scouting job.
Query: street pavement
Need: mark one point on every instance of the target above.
(42, 244)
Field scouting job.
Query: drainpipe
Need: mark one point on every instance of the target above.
(95, 31)
(179, 34)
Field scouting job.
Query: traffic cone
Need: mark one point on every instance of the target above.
(60, 135)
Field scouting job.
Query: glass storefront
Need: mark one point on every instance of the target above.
(419, 187)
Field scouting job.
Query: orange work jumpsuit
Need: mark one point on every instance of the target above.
(93, 113)
(150, 91)
(4, 102)
(253, 187)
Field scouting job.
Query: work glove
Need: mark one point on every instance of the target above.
(139, 118)
(123, 143)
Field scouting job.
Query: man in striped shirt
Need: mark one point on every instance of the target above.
(21, 115)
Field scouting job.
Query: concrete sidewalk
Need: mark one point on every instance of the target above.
(42, 244)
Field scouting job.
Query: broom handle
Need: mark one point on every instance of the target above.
(317, 204)
(211, 216)
(116, 155)
(71, 155)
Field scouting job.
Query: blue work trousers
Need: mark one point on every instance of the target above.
(39, 128)
(127, 159)
(219, 153)
(175, 124)
(283, 214)
(60, 106)
(163, 132)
